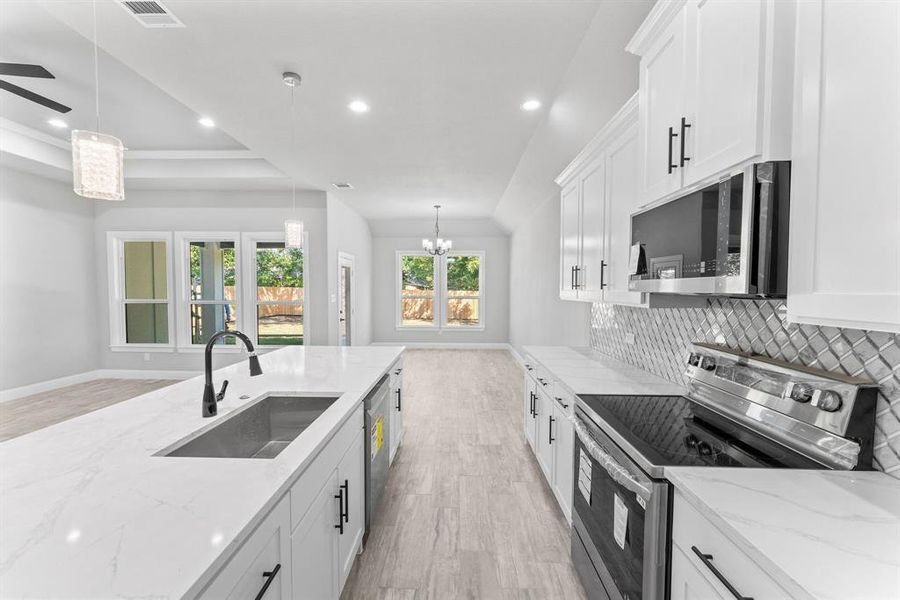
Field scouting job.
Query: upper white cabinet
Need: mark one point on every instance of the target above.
(845, 209)
(715, 89)
(599, 193)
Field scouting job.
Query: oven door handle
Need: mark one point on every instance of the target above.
(618, 473)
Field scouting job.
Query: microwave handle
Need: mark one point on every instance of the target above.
(765, 176)
(618, 473)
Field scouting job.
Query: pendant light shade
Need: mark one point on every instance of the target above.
(293, 234)
(98, 165)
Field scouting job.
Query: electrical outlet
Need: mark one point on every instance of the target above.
(146, 356)
(629, 338)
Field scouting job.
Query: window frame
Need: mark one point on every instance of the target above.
(445, 298)
(183, 241)
(439, 322)
(249, 287)
(115, 247)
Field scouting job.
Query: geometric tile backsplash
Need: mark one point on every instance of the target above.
(662, 337)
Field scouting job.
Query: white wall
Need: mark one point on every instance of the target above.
(348, 232)
(210, 211)
(536, 314)
(496, 275)
(48, 302)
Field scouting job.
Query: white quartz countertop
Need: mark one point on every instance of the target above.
(583, 371)
(88, 511)
(819, 534)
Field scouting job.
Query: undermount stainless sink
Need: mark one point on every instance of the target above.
(260, 430)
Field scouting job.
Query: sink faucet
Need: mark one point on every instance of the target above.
(210, 398)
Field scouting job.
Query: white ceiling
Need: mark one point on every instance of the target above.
(132, 108)
(444, 79)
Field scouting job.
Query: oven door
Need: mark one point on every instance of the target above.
(620, 521)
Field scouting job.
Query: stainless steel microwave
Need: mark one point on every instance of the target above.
(729, 238)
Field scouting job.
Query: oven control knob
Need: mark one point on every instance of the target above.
(827, 400)
(694, 359)
(704, 449)
(708, 363)
(691, 441)
(801, 393)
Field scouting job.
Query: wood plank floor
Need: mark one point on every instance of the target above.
(24, 415)
(467, 512)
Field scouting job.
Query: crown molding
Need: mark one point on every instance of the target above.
(658, 19)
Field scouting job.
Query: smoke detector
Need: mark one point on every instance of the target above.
(151, 13)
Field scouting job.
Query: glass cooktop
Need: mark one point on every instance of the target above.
(674, 431)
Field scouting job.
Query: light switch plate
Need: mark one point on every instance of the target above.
(629, 338)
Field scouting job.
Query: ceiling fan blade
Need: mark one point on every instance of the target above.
(22, 70)
(52, 104)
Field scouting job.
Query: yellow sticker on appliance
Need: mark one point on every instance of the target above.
(377, 435)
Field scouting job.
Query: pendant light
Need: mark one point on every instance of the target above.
(97, 159)
(437, 246)
(293, 228)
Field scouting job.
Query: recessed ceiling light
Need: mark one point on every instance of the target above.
(358, 106)
(531, 105)
(58, 123)
(342, 185)
(206, 122)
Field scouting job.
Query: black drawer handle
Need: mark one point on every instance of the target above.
(531, 407)
(707, 560)
(672, 135)
(341, 518)
(561, 403)
(270, 576)
(550, 430)
(398, 399)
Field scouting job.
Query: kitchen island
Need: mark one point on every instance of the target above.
(90, 511)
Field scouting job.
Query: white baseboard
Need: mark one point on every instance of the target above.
(447, 345)
(52, 384)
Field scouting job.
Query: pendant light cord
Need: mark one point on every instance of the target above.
(293, 179)
(96, 69)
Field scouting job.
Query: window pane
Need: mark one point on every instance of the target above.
(145, 270)
(147, 323)
(207, 319)
(279, 324)
(462, 311)
(212, 271)
(279, 273)
(418, 272)
(417, 311)
(462, 273)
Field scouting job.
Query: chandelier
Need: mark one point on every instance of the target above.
(437, 246)
(97, 159)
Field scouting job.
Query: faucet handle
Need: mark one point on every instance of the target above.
(221, 393)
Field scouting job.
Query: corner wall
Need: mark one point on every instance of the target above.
(48, 301)
(348, 232)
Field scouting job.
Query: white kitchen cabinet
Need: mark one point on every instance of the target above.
(543, 432)
(528, 401)
(563, 436)
(721, 565)
(570, 239)
(314, 545)
(351, 475)
(844, 266)
(662, 82)
(715, 90)
(592, 262)
(265, 557)
(396, 413)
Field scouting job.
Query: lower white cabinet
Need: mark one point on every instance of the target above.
(528, 401)
(352, 481)
(396, 402)
(543, 440)
(707, 565)
(263, 561)
(563, 436)
(314, 545)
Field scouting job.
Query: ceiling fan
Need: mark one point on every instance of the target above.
(22, 70)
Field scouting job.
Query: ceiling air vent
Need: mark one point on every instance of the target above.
(151, 14)
(342, 186)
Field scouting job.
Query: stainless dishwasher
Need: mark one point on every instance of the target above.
(377, 448)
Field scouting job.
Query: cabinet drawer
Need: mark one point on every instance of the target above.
(396, 373)
(304, 490)
(267, 548)
(691, 529)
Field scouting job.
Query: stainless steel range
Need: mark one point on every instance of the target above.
(741, 410)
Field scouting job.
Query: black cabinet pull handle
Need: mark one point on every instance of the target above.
(270, 576)
(340, 498)
(672, 134)
(346, 511)
(707, 560)
(602, 274)
(572, 278)
(550, 430)
(398, 399)
(577, 285)
(533, 408)
(561, 403)
(684, 125)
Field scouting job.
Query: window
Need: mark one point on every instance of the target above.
(440, 292)
(208, 278)
(139, 284)
(276, 293)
